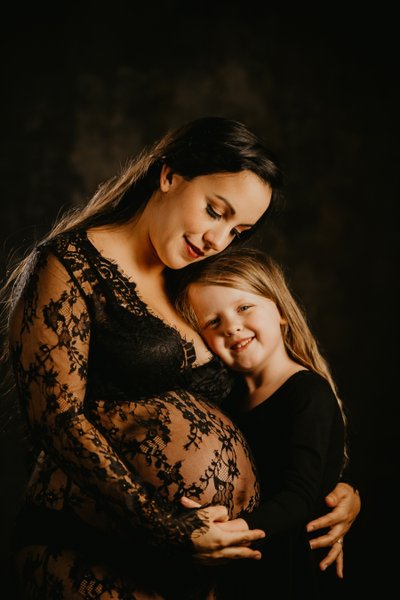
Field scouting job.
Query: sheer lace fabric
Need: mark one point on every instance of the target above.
(123, 421)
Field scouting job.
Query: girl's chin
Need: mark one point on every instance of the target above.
(243, 367)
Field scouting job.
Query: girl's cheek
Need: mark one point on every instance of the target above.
(217, 348)
(212, 342)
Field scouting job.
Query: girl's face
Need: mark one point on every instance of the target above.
(192, 220)
(242, 328)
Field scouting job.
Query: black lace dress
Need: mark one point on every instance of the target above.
(123, 423)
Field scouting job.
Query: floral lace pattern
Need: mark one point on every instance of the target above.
(123, 422)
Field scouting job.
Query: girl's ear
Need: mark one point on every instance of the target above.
(166, 176)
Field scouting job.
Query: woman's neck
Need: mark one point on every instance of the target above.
(128, 244)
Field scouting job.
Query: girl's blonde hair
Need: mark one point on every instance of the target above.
(252, 270)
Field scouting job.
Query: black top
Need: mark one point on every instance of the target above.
(297, 436)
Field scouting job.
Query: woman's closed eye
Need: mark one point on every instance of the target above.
(216, 215)
(213, 213)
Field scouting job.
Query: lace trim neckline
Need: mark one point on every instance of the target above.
(188, 346)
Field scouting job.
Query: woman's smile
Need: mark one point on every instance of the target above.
(192, 250)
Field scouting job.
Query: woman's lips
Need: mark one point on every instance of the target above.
(193, 250)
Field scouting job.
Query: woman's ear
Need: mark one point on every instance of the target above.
(166, 176)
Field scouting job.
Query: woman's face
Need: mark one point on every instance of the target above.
(192, 220)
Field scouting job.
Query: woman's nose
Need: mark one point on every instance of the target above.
(217, 238)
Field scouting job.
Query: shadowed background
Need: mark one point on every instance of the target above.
(84, 90)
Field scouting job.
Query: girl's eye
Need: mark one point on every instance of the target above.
(212, 323)
(212, 212)
(244, 307)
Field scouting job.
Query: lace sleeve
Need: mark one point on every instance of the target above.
(50, 335)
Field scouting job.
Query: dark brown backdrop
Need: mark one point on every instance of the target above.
(85, 89)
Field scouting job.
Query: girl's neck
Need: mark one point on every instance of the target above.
(265, 383)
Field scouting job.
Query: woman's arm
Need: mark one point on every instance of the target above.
(50, 338)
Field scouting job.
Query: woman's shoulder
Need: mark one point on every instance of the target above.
(72, 253)
(63, 243)
(71, 248)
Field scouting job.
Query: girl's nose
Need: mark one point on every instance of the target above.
(232, 328)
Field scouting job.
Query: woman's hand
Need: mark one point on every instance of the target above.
(224, 539)
(345, 503)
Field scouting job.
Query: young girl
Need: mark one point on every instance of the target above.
(287, 407)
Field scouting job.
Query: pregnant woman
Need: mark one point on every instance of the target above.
(120, 395)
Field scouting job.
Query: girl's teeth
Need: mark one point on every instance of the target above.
(242, 344)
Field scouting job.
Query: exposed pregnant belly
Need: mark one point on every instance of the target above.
(183, 445)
